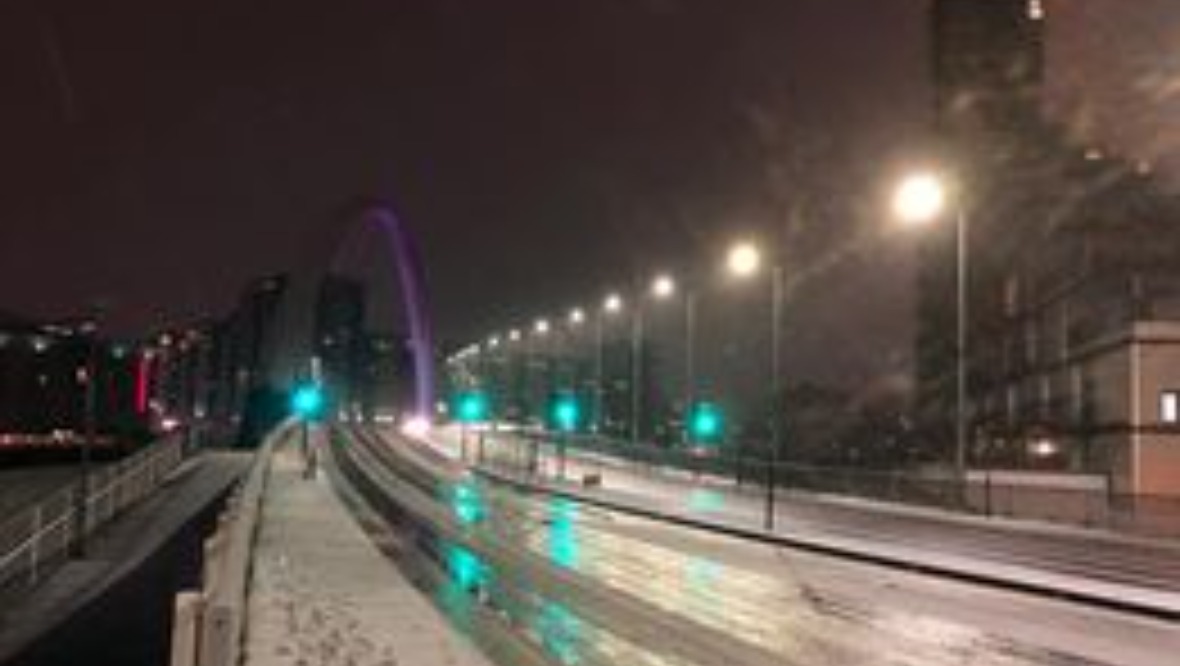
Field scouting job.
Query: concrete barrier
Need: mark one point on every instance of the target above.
(208, 623)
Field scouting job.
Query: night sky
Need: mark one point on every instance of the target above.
(542, 150)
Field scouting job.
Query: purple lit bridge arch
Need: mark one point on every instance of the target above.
(292, 341)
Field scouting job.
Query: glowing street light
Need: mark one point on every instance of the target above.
(494, 341)
(612, 303)
(663, 286)
(920, 198)
(743, 259)
(514, 335)
(577, 316)
(541, 327)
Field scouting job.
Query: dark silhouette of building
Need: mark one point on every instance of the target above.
(44, 369)
(340, 339)
(1074, 290)
(384, 388)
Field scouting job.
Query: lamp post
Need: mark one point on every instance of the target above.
(661, 288)
(690, 369)
(921, 199)
(90, 418)
(611, 305)
(576, 318)
(541, 330)
(744, 260)
(636, 369)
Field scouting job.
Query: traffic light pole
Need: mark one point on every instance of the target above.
(562, 441)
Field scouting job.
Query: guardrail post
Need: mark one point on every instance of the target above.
(218, 645)
(214, 551)
(186, 628)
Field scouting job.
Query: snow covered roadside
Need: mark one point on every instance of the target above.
(322, 594)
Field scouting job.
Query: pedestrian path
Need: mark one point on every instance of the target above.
(321, 592)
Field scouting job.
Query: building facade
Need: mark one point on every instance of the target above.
(1074, 280)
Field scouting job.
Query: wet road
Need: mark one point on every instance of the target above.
(705, 599)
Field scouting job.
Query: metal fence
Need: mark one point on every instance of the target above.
(35, 538)
(983, 492)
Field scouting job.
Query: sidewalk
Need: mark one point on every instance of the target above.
(321, 592)
(1128, 574)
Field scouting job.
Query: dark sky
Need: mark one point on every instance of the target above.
(542, 150)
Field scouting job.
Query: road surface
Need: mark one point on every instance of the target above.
(593, 586)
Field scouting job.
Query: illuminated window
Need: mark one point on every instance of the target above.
(1170, 406)
(1036, 9)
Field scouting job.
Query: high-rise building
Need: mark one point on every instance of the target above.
(384, 386)
(339, 332)
(988, 68)
(1074, 273)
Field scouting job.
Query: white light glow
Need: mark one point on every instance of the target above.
(920, 198)
(612, 303)
(663, 286)
(416, 426)
(1170, 407)
(743, 259)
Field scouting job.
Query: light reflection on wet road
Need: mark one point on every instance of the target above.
(747, 591)
(777, 614)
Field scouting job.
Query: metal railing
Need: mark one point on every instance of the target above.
(43, 534)
(208, 624)
(982, 493)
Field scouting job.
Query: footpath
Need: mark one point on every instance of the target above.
(321, 592)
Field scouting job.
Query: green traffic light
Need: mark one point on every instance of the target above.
(307, 401)
(566, 413)
(707, 423)
(471, 407)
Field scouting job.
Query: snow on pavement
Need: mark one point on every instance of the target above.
(323, 595)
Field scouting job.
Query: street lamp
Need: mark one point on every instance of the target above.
(743, 261)
(611, 305)
(663, 286)
(920, 199)
(577, 316)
